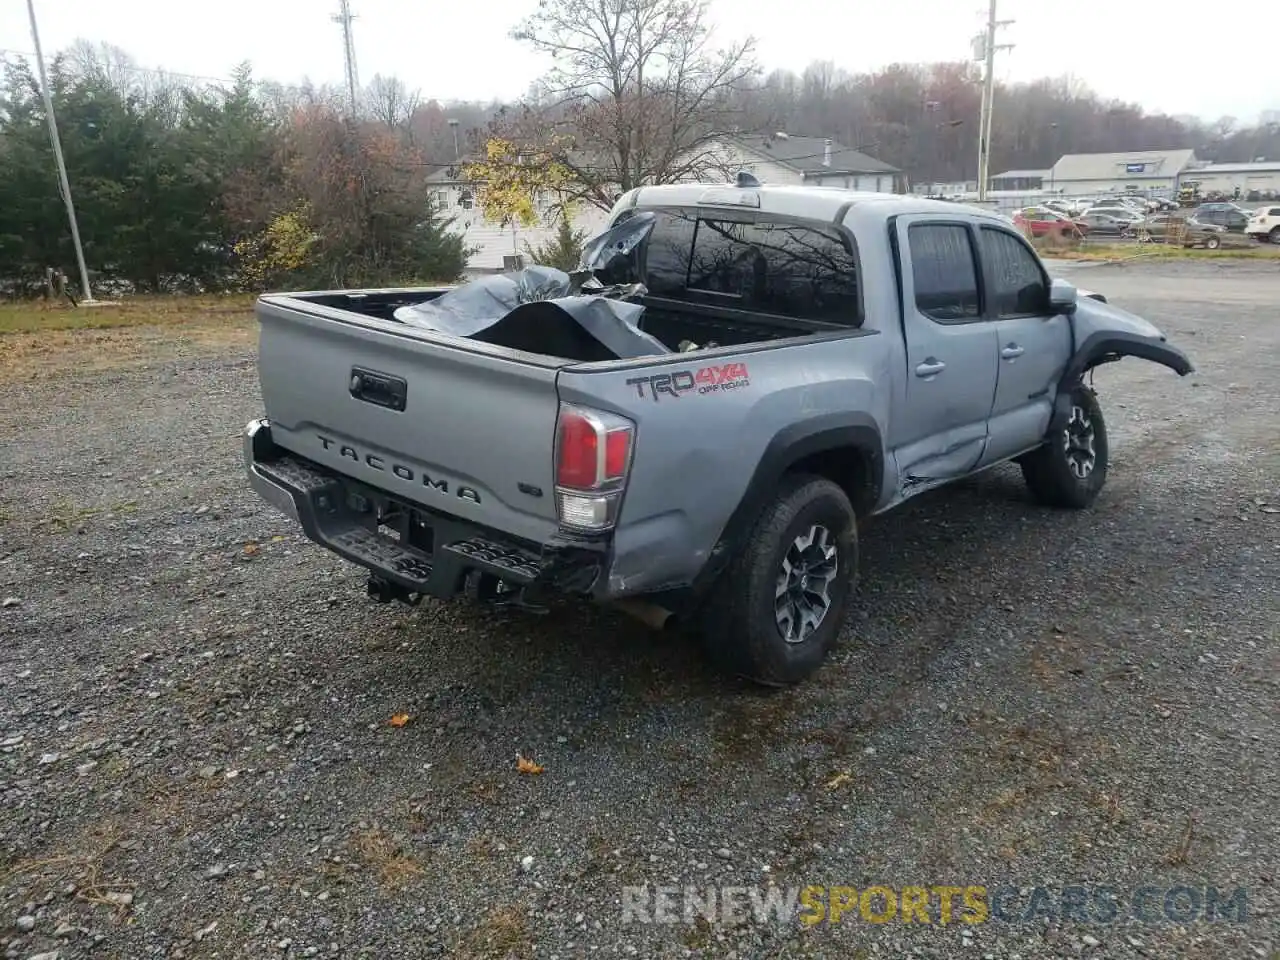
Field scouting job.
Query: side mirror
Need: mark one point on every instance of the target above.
(1063, 297)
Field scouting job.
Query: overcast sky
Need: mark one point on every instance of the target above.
(461, 50)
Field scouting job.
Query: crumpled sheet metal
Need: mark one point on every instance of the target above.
(475, 307)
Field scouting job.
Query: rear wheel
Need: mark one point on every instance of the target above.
(1071, 468)
(1212, 243)
(778, 608)
(1274, 235)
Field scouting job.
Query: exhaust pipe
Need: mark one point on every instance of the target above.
(650, 614)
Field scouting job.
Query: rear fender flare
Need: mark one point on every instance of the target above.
(1103, 347)
(788, 447)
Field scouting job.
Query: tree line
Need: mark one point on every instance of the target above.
(181, 187)
(252, 185)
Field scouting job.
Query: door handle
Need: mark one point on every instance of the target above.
(930, 367)
(1012, 351)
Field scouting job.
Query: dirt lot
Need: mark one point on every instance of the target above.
(196, 760)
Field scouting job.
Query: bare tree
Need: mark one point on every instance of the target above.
(390, 102)
(638, 92)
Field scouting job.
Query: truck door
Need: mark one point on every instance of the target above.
(1034, 343)
(941, 431)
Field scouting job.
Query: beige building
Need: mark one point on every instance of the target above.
(1141, 171)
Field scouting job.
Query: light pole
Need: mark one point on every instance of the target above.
(63, 183)
(453, 125)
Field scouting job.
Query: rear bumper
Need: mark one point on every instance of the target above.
(416, 550)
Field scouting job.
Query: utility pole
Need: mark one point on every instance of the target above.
(63, 183)
(986, 46)
(344, 16)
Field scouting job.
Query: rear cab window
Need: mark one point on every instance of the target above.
(802, 271)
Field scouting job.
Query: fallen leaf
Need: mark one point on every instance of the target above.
(525, 765)
(251, 548)
(399, 720)
(839, 780)
(277, 539)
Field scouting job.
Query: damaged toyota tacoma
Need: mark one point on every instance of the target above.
(695, 421)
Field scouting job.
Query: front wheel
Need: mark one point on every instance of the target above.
(1069, 470)
(778, 608)
(1212, 243)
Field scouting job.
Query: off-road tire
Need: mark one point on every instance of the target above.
(739, 624)
(1048, 470)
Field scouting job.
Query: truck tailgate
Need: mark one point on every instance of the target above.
(460, 431)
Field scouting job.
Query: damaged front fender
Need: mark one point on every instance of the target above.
(1105, 346)
(1104, 333)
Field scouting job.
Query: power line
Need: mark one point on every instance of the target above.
(593, 168)
(126, 68)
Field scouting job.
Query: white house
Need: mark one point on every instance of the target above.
(454, 196)
(821, 161)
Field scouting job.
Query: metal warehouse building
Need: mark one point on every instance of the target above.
(1261, 177)
(1145, 171)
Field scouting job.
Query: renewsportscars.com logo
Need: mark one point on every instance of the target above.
(933, 905)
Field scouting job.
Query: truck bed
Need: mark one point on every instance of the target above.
(673, 322)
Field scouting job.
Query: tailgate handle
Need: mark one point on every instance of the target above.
(378, 388)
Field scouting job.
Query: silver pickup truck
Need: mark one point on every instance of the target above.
(696, 422)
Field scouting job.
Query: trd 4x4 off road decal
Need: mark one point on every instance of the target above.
(730, 376)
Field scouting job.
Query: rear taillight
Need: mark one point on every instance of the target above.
(593, 456)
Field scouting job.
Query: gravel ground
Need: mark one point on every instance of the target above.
(196, 759)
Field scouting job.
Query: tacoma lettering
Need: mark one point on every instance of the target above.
(375, 462)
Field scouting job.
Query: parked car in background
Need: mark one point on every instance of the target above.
(1043, 222)
(1106, 224)
(1265, 223)
(1190, 232)
(1122, 201)
(1229, 215)
(1077, 205)
(1120, 211)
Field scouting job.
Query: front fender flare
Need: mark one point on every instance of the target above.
(1104, 347)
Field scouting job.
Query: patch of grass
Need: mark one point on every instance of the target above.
(386, 857)
(1181, 854)
(42, 317)
(749, 727)
(1160, 251)
(38, 339)
(85, 869)
(503, 934)
(67, 515)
